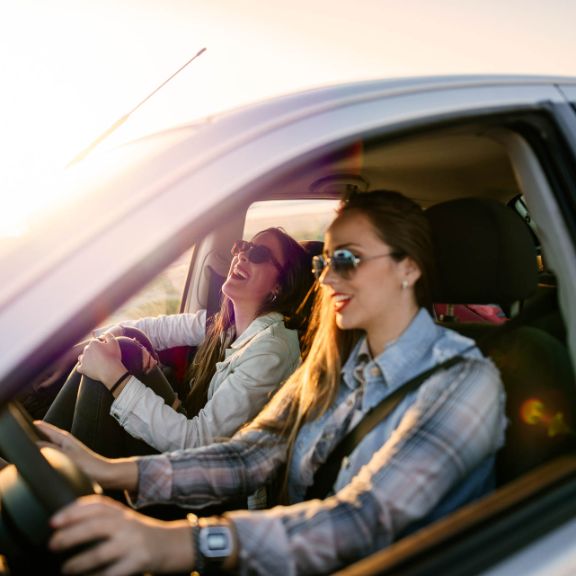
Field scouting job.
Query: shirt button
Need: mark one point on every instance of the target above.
(375, 371)
(345, 462)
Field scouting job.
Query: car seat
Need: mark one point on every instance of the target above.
(485, 254)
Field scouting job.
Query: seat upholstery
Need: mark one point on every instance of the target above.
(313, 247)
(540, 398)
(486, 255)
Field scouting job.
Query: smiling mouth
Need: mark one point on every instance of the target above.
(238, 274)
(341, 301)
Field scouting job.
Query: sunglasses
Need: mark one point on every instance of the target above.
(342, 262)
(256, 253)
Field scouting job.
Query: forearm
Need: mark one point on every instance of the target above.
(146, 416)
(178, 548)
(120, 474)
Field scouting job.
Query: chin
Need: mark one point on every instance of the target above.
(227, 288)
(344, 323)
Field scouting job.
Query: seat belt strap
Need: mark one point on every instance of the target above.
(326, 474)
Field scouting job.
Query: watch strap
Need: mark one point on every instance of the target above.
(199, 565)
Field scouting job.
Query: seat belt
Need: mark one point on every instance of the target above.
(325, 476)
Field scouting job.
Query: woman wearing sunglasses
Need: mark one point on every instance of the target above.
(123, 404)
(433, 452)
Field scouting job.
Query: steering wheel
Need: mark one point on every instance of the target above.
(37, 483)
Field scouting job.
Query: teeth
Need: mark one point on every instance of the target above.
(341, 297)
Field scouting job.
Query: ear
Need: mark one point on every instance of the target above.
(410, 270)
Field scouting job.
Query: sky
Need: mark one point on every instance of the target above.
(71, 68)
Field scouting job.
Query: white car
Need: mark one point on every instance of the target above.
(158, 216)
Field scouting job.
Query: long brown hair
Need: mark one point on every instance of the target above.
(311, 390)
(295, 281)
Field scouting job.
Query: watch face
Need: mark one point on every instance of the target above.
(215, 542)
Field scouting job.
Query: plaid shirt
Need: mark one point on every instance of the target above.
(433, 453)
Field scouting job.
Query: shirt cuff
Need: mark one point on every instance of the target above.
(155, 479)
(124, 403)
(263, 543)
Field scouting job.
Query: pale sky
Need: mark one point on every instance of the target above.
(70, 68)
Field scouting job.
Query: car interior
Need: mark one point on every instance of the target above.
(477, 182)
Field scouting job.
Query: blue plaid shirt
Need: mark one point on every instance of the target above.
(433, 453)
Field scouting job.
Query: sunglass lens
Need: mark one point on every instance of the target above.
(343, 262)
(259, 254)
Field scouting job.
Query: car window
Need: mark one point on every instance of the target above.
(161, 296)
(302, 219)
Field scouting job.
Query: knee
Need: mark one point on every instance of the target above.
(132, 354)
(139, 336)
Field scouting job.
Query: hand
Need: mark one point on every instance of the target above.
(120, 474)
(101, 360)
(125, 541)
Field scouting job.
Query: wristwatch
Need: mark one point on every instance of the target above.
(214, 543)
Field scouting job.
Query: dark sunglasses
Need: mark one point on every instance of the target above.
(256, 253)
(343, 262)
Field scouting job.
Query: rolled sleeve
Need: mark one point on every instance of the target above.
(155, 481)
(212, 474)
(146, 416)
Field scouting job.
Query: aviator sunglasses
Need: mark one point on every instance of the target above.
(256, 253)
(342, 262)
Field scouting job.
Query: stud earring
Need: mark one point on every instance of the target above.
(404, 284)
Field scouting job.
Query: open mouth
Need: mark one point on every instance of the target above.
(239, 274)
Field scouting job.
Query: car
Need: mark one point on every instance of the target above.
(147, 226)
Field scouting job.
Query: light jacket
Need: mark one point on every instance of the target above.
(255, 365)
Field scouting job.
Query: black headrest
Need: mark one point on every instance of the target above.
(485, 253)
(313, 247)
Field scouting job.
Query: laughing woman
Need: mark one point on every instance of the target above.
(243, 356)
(431, 453)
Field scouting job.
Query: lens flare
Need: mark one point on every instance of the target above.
(535, 413)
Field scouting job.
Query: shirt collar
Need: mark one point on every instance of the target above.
(395, 361)
(255, 327)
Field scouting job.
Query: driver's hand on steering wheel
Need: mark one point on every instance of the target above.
(112, 474)
(125, 542)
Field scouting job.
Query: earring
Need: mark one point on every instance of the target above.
(404, 284)
(273, 296)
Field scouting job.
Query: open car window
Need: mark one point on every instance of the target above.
(163, 295)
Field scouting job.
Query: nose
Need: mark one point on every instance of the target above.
(328, 277)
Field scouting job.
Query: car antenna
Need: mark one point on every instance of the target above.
(81, 155)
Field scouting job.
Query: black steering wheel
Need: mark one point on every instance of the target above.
(37, 483)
